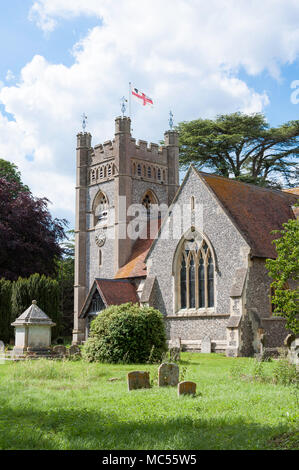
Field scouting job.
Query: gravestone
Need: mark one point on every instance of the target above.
(186, 388)
(168, 375)
(60, 350)
(138, 379)
(206, 345)
(175, 349)
(74, 350)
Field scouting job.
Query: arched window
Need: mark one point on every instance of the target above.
(148, 200)
(100, 208)
(139, 169)
(149, 172)
(159, 174)
(195, 274)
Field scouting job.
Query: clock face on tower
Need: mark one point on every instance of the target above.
(100, 238)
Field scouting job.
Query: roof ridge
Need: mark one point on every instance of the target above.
(260, 188)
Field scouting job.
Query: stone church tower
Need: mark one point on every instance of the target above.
(111, 177)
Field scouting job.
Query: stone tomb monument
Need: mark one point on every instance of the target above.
(168, 375)
(206, 346)
(138, 379)
(32, 331)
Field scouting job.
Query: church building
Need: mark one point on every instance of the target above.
(194, 251)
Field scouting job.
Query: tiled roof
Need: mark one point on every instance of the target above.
(255, 211)
(116, 291)
(136, 267)
(112, 292)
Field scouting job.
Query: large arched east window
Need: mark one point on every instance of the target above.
(195, 275)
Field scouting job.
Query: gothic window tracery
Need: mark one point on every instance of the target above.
(195, 275)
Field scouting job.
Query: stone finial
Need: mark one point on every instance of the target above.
(34, 302)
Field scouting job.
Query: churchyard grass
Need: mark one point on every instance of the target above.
(73, 405)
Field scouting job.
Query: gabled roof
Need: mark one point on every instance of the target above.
(33, 315)
(136, 267)
(254, 210)
(112, 292)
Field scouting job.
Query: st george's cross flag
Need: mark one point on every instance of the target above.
(142, 98)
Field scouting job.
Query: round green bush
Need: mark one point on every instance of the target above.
(126, 333)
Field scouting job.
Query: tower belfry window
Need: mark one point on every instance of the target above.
(100, 208)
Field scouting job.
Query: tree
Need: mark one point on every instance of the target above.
(66, 268)
(241, 146)
(29, 237)
(284, 271)
(44, 290)
(5, 310)
(10, 172)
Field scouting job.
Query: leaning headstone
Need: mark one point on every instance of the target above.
(168, 375)
(138, 379)
(175, 349)
(186, 388)
(60, 350)
(206, 345)
(74, 350)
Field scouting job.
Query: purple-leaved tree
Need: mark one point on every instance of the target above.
(29, 237)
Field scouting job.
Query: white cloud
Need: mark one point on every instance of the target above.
(185, 54)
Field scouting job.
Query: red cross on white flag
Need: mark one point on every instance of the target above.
(142, 98)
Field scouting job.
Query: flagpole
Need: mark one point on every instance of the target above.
(130, 94)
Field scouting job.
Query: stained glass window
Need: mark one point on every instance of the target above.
(201, 283)
(183, 284)
(191, 283)
(196, 274)
(210, 282)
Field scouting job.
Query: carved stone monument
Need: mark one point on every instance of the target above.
(32, 331)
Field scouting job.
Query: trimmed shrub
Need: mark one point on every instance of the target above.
(44, 290)
(6, 330)
(126, 333)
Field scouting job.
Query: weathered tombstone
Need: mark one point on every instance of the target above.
(138, 379)
(206, 345)
(186, 388)
(74, 350)
(175, 349)
(32, 331)
(59, 350)
(168, 375)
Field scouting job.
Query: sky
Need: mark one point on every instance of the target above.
(63, 58)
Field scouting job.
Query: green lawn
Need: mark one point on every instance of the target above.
(73, 405)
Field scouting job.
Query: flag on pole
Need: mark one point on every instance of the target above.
(142, 97)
